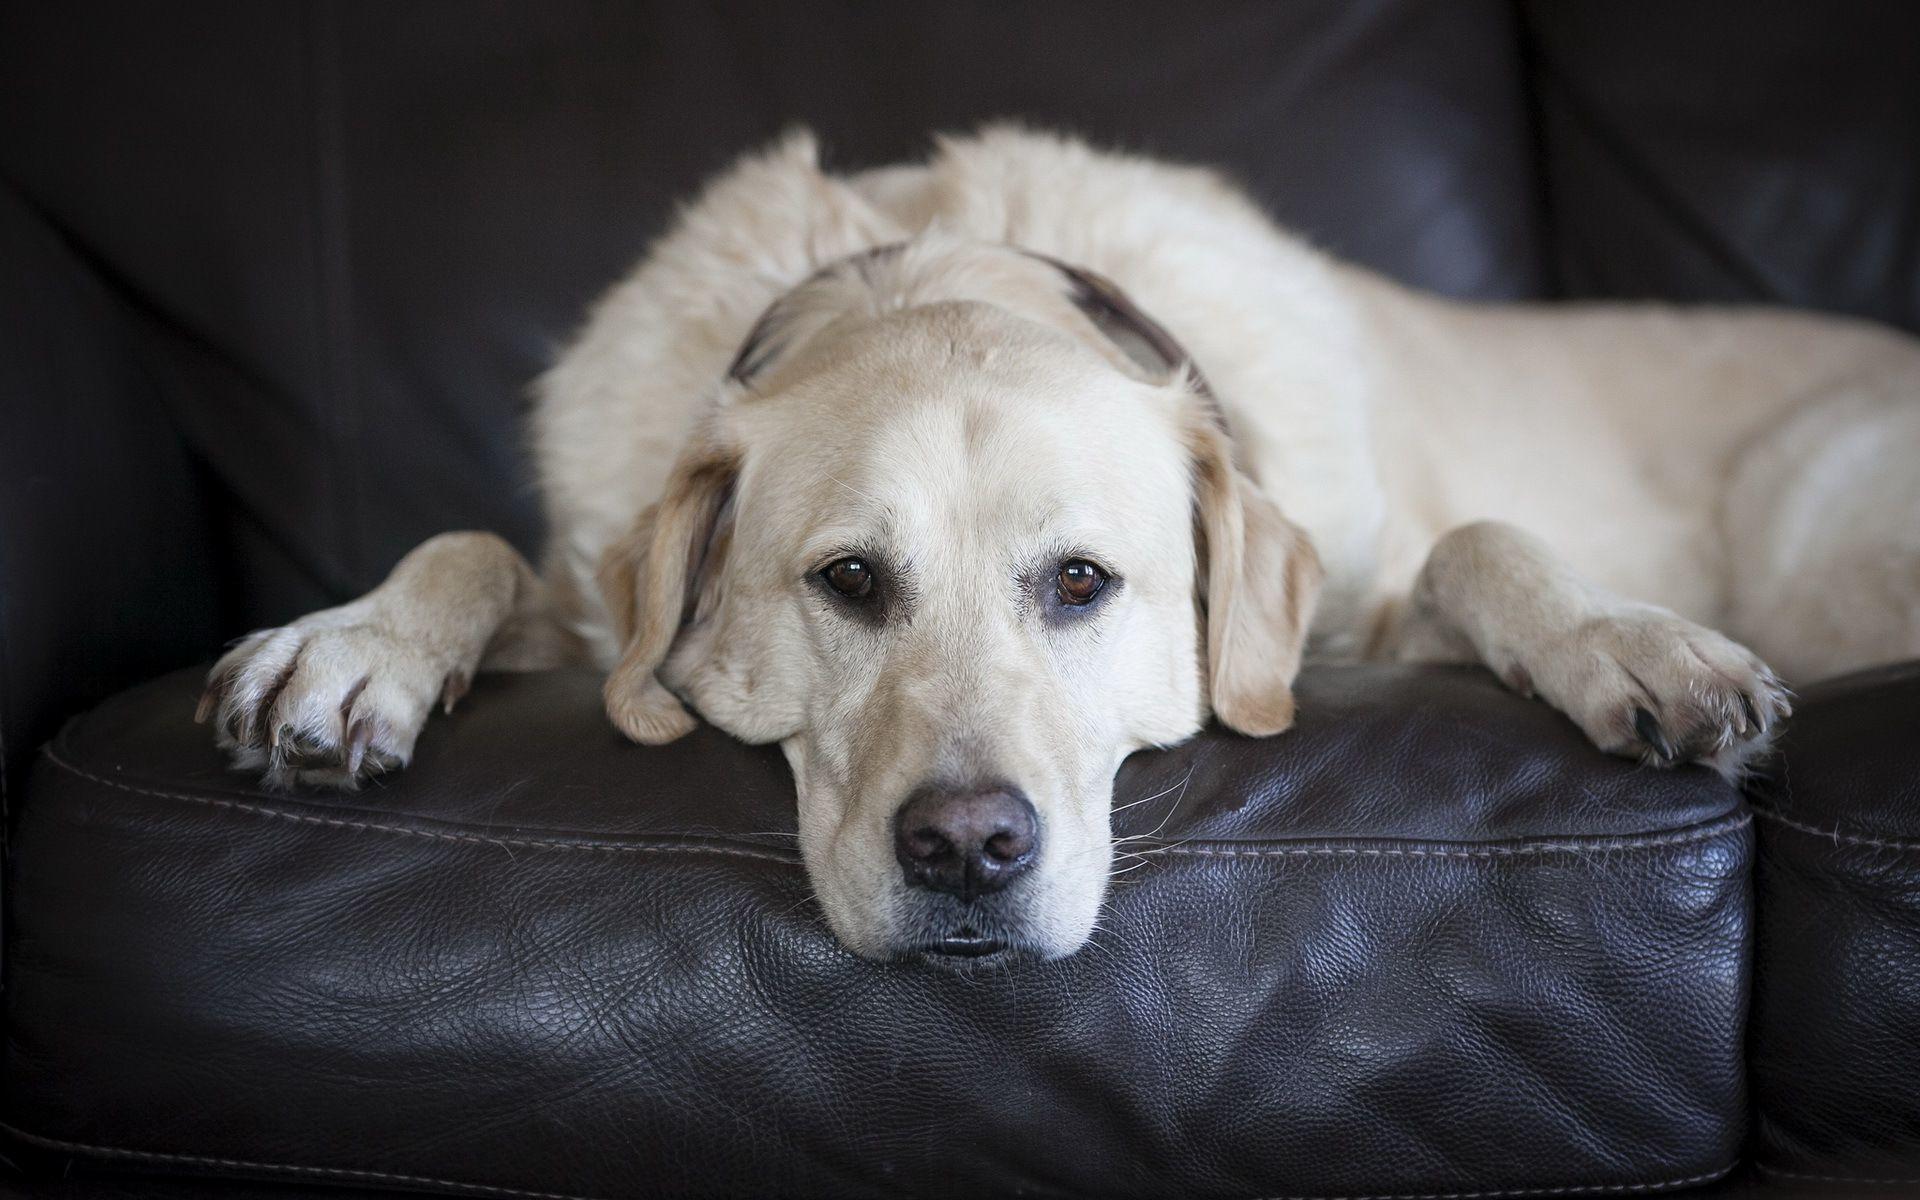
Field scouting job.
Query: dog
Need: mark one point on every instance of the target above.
(964, 480)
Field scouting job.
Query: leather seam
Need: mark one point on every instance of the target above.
(1571, 1189)
(1835, 1178)
(509, 843)
(1718, 828)
(1536, 849)
(1834, 835)
(1581, 1189)
(339, 1173)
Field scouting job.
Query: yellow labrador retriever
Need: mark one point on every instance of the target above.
(964, 480)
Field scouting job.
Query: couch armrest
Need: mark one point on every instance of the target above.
(106, 560)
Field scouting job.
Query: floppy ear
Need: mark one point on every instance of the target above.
(651, 580)
(1261, 577)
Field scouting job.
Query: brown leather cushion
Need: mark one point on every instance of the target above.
(1428, 941)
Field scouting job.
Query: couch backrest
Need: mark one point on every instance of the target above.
(356, 231)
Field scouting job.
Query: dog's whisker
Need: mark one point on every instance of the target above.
(1172, 811)
(801, 902)
(1163, 791)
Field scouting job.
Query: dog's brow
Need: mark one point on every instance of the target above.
(841, 541)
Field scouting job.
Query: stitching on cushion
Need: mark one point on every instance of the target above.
(1574, 1189)
(1593, 1189)
(1712, 830)
(1533, 849)
(278, 814)
(1835, 1178)
(1834, 835)
(339, 1173)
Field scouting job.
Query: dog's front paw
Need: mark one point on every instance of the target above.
(332, 699)
(1648, 684)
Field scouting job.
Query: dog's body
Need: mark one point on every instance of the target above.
(1675, 473)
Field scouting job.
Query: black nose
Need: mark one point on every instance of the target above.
(965, 842)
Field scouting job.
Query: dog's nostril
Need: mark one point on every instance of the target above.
(965, 842)
(926, 844)
(1008, 845)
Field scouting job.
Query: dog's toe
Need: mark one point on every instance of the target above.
(324, 702)
(1649, 685)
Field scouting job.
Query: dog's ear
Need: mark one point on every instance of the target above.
(665, 570)
(1259, 578)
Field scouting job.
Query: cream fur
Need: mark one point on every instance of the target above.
(947, 410)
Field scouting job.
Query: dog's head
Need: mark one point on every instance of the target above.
(962, 531)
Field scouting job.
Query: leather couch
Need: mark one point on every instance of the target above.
(274, 279)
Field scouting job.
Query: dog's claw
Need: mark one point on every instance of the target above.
(209, 700)
(1649, 730)
(455, 689)
(358, 739)
(1754, 724)
(346, 703)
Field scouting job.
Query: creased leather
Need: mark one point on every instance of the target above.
(1468, 954)
(1836, 1012)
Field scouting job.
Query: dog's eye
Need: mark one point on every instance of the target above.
(1080, 581)
(851, 577)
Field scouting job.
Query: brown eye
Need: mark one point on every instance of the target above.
(1080, 581)
(851, 577)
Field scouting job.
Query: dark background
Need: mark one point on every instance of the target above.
(274, 276)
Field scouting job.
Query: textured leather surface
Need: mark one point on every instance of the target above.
(1428, 941)
(1836, 1010)
(85, 1181)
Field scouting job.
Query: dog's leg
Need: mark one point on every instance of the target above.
(1640, 680)
(340, 695)
(1822, 517)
